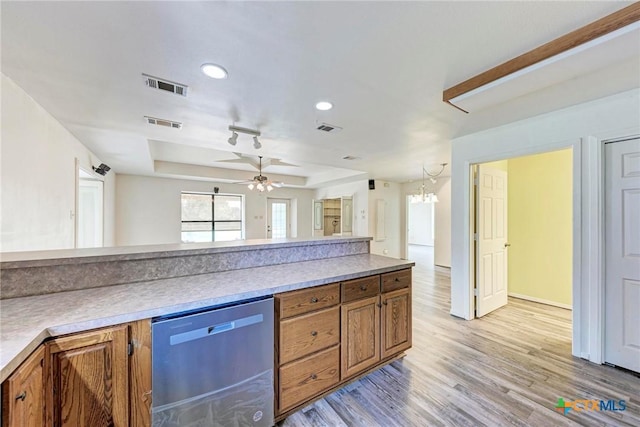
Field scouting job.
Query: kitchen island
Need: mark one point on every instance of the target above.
(55, 293)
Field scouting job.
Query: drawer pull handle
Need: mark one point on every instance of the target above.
(314, 333)
(22, 396)
(314, 300)
(363, 288)
(314, 377)
(396, 279)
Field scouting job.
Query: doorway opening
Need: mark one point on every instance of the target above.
(421, 232)
(522, 217)
(90, 212)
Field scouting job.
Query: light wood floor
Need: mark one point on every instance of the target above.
(508, 368)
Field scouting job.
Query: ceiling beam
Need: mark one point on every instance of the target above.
(599, 28)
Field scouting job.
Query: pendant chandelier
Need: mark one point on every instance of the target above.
(422, 195)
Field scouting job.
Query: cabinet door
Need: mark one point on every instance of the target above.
(360, 338)
(88, 379)
(318, 218)
(23, 394)
(346, 212)
(396, 322)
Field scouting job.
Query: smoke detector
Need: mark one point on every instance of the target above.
(162, 122)
(326, 127)
(165, 85)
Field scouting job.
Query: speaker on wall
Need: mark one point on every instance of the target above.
(372, 184)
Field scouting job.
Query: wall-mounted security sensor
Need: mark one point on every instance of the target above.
(102, 169)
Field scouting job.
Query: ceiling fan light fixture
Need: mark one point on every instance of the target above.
(324, 106)
(214, 71)
(251, 186)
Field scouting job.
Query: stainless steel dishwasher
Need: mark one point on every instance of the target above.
(214, 368)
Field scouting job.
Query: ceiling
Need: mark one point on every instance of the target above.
(383, 65)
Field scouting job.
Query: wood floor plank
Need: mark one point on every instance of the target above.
(508, 368)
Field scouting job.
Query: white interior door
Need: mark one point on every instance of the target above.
(622, 254)
(278, 221)
(491, 243)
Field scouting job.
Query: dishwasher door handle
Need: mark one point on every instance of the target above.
(215, 329)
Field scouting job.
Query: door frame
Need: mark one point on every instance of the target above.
(270, 200)
(467, 269)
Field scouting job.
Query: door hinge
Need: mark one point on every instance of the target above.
(130, 349)
(475, 292)
(475, 181)
(475, 236)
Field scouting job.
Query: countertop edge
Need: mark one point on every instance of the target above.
(126, 253)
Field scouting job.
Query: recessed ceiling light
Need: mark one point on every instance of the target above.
(324, 106)
(214, 71)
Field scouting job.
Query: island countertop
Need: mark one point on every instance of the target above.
(27, 321)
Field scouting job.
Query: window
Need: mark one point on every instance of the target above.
(211, 217)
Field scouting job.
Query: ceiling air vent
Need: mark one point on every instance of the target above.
(163, 122)
(329, 128)
(165, 85)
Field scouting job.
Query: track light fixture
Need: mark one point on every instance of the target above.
(233, 140)
(235, 130)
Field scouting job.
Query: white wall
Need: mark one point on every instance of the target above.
(148, 208)
(420, 217)
(38, 174)
(582, 127)
(395, 214)
(442, 238)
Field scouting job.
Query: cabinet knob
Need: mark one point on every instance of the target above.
(396, 280)
(314, 300)
(314, 333)
(22, 396)
(363, 288)
(314, 377)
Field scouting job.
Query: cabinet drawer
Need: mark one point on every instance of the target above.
(308, 377)
(396, 280)
(360, 288)
(305, 300)
(303, 335)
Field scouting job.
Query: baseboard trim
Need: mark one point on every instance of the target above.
(540, 300)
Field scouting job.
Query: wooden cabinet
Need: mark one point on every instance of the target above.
(360, 339)
(309, 376)
(85, 379)
(329, 335)
(396, 322)
(23, 393)
(307, 335)
(88, 379)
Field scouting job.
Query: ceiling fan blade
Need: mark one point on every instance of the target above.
(277, 184)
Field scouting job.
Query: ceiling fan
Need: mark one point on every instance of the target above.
(261, 182)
